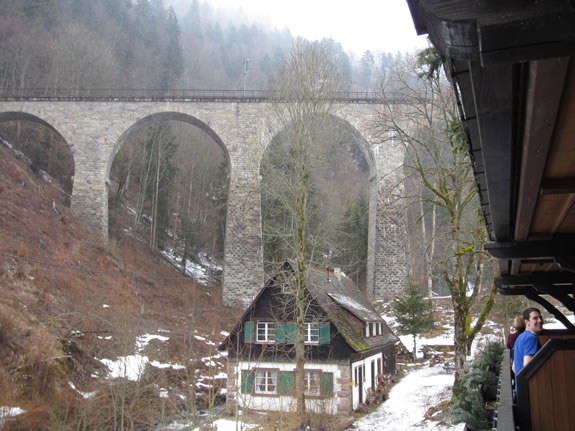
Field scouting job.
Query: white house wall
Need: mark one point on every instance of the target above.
(366, 363)
(288, 403)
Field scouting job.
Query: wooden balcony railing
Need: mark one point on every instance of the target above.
(546, 398)
(503, 415)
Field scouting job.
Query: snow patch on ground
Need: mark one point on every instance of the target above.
(131, 367)
(128, 367)
(408, 401)
(8, 412)
(84, 394)
(200, 271)
(230, 425)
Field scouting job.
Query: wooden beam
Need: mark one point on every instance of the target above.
(543, 35)
(544, 89)
(562, 246)
(565, 280)
(533, 295)
(491, 91)
(566, 262)
(558, 186)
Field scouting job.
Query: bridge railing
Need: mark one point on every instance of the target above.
(119, 94)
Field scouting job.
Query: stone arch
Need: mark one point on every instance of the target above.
(353, 135)
(359, 139)
(25, 116)
(168, 116)
(145, 120)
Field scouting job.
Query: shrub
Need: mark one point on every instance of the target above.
(468, 407)
(491, 356)
(469, 399)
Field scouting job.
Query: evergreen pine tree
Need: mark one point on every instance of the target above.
(413, 313)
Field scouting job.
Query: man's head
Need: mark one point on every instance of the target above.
(533, 320)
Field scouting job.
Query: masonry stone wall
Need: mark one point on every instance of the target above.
(96, 130)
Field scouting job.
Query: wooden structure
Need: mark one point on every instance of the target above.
(349, 347)
(512, 68)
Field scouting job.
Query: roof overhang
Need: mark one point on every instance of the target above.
(512, 68)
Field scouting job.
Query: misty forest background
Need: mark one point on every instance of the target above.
(168, 183)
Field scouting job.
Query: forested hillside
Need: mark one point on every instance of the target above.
(142, 44)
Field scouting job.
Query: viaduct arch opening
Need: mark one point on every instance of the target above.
(342, 207)
(41, 145)
(168, 179)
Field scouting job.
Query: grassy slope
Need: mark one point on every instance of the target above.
(66, 299)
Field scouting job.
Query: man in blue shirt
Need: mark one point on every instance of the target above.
(526, 344)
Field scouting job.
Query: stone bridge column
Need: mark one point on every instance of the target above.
(90, 196)
(390, 254)
(243, 257)
(387, 234)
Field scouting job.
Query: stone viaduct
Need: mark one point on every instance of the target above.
(95, 130)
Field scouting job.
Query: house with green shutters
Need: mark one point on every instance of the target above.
(348, 346)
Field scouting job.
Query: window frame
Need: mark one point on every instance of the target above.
(308, 333)
(269, 373)
(269, 335)
(373, 329)
(307, 374)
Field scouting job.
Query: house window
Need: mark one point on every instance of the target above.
(373, 329)
(266, 382)
(266, 332)
(312, 382)
(311, 333)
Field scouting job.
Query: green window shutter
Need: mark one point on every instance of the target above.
(280, 333)
(247, 381)
(249, 332)
(285, 333)
(324, 333)
(286, 382)
(326, 384)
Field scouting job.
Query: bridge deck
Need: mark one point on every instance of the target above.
(157, 95)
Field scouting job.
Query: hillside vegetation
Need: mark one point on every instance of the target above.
(69, 301)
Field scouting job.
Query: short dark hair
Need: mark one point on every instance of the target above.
(528, 311)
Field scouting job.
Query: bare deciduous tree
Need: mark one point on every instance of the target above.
(429, 127)
(304, 85)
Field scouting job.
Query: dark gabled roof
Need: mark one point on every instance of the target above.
(339, 296)
(343, 303)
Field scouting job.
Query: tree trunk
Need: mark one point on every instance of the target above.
(460, 338)
(301, 304)
(430, 252)
(146, 157)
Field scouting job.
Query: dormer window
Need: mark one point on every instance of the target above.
(373, 329)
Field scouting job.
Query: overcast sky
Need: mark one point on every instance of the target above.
(377, 25)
